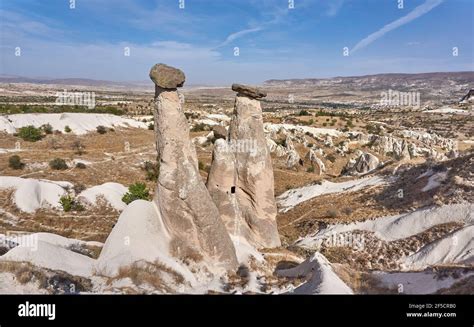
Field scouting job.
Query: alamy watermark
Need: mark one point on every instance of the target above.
(13, 239)
(76, 99)
(394, 98)
(240, 146)
(355, 241)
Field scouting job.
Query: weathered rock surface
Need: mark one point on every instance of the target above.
(364, 164)
(245, 198)
(167, 77)
(249, 91)
(316, 163)
(293, 159)
(221, 183)
(189, 214)
(219, 132)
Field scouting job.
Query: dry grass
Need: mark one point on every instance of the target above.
(152, 274)
(183, 252)
(361, 282)
(55, 282)
(24, 272)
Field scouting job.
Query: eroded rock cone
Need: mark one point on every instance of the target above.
(249, 208)
(188, 212)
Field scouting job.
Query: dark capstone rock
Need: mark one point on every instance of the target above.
(249, 91)
(219, 132)
(167, 77)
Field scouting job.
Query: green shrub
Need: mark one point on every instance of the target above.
(151, 126)
(101, 129)
(81, 165)
(47, 128)
(30, 133)
(137, 191)
(67, 129)
(310, 170)
(14, 162)
(58, 164)
(69, 203)
(304, 113)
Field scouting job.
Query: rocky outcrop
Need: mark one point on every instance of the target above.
(293, 158)
(328, 141)
(219, 132)
(365, 163)
(316, 163)
(389, 145)
(186, 207)
(241, 176)
(411, 144)
(468, 98)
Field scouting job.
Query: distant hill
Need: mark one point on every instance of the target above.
(382, 80)
(89, 82)
(69, 81)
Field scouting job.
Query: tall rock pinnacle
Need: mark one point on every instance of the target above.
(241, 177)
(188, 212)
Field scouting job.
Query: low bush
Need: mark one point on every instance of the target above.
(101, 129)
(30, 133)
(14, 162)
(137, 191)
(58, 164)
(304, 113)
(47, 128)
(68, 202)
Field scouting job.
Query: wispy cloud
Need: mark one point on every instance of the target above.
(419, 11)
(334, 7)
(232, 37)
(277, 15)
(15, 26)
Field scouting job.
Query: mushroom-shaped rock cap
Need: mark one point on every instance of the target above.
(167, 77)
(249, 91)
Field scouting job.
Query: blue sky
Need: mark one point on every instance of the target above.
(274, 41)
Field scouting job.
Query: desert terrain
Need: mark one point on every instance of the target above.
(372, 197)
